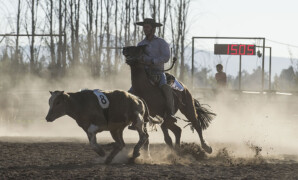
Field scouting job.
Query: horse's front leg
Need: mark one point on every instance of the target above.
(177, 132)
(91, 133)
(167, 137)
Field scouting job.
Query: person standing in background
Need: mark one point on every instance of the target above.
(221, 77)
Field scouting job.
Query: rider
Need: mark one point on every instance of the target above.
(157, 53)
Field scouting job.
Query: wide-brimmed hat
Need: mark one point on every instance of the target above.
(149, 21)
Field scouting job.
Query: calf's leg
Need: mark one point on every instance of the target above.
(146, 144)
(117, 135)
(92, 130)
(142, 135)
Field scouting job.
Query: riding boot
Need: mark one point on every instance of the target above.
(168, 93)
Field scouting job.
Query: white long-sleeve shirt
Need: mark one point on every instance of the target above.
(157, 52)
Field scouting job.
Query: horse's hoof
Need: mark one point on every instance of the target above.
(177, 146)
(207, 148)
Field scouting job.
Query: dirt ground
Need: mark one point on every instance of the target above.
(65, 158)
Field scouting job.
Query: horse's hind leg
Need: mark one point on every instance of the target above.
(190, 113)
(142, 135)
(117, 135)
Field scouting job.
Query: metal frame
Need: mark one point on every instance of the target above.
(270, 64)
(208, 37)
(7, 35)
(32, 35)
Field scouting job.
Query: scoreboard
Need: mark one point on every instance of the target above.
(234, 49)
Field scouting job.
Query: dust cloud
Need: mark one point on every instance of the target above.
(246, 124)
(25, 106)
(249, 124)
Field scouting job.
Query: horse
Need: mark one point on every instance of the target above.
(109, 111)
(198, 116)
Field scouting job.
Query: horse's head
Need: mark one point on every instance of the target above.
(133, 54)
(57, 104)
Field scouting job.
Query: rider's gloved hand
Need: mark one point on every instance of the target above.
(147, 60)
(129, 59)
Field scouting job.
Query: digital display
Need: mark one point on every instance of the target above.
(235, 49)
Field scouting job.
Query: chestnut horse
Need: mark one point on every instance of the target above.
(198, 116)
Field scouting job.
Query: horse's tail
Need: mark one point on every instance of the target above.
(205, 116)
(152, 120)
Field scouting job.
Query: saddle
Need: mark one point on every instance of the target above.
(170, 79)
(154, 79)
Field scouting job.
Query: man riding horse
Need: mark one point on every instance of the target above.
(149, 82)
(157, 53)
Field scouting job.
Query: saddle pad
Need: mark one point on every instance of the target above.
(102, 98)
(176, 85)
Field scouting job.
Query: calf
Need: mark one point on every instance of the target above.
(124, 109)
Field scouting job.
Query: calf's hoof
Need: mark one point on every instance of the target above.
(100, 152)
(131, 160)
(136, 154)
(108, 161)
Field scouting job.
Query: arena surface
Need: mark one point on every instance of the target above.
(71, 158)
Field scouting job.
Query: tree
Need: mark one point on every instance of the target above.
(89, 26)
(16, 60)
(287, 79)
(32, 6)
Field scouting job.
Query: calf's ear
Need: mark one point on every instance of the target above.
(66, 97)
(51, 92)
(59, 92)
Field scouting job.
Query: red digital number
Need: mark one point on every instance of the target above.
(250, 51)
(242, 53)
(233, 49)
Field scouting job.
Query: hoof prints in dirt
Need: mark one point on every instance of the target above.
(69, 160)
(191, 149)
